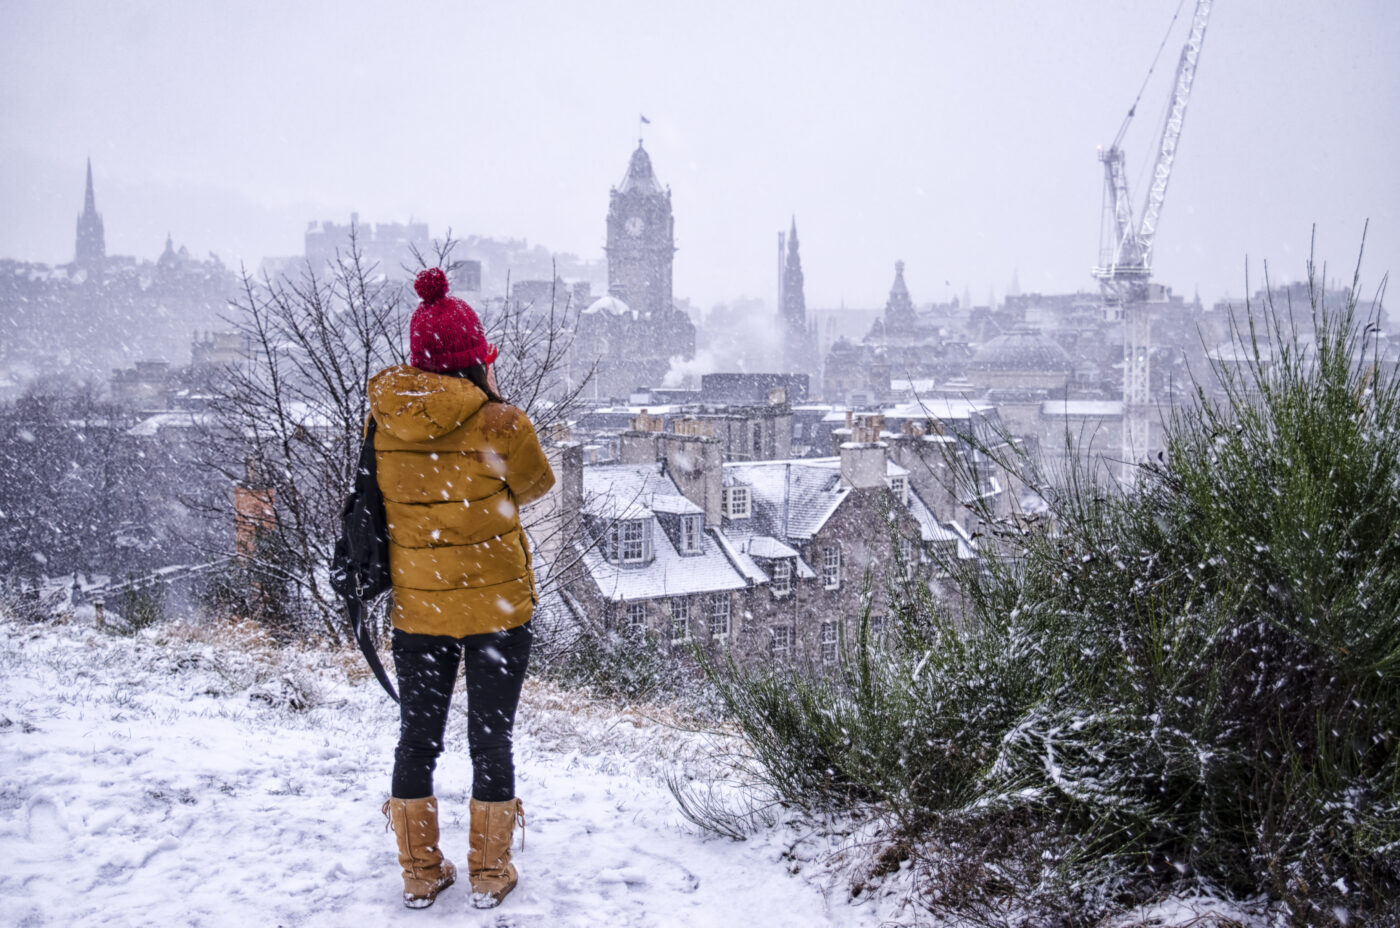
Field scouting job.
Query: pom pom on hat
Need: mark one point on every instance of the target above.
(430, 285)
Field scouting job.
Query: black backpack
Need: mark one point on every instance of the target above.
(360, 564)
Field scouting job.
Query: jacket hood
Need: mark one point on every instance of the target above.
(414, 405)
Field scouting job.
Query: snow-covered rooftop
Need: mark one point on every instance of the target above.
(151, 426)
(637, 491)
(674, 504)
(767, 546)
(943, 408)
(670, 573)
(793, 499)
(931, 530)
(1090, 408)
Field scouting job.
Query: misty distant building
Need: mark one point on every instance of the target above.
(904, 344)
(630, 337)
(746, 388)
(388, 246)
(101, 311)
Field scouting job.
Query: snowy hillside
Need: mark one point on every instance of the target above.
(170, 780)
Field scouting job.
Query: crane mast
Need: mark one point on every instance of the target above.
(1125, 246)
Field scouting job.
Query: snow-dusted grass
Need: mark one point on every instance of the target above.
(182, 777)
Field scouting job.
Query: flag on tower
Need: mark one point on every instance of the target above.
(645, 120)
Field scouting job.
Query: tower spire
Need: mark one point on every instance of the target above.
(899, 308)
(90, 248)
(89, 199)
(798, 353)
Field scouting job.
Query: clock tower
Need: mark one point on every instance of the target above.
(641, 239)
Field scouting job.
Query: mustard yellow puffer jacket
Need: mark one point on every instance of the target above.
(454, 469)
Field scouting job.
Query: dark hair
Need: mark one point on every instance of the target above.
(476, 373)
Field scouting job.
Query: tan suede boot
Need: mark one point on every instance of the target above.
(488, 863)
(425, 871)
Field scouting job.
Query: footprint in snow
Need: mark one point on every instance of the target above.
(631, 877)
(46, 827)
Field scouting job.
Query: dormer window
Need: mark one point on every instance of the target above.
(736, 502)
(634, 541)
(628, 541)
(782, 577)
(691, 527)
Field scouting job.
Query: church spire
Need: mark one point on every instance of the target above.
(89, 199)
(90, 249)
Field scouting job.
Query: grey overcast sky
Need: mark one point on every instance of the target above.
(957, 136)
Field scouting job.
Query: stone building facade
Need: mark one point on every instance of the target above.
(769, 560)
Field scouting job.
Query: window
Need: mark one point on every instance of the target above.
(719, 615)
(831, 567)
(782, 577)
(690, 534)
(680, 619)
(877, 627)
(828, 642)
(900, 486)
(757, 441)
(636, 625)
(944, 556)
(780, 645)
(634, 541)
(908, 558)
(736, 502)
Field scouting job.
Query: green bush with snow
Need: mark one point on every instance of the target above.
(1195, 684)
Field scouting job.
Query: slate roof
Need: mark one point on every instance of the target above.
(668, 574)
(943, 408)
(931, 530)
(810, 487)
(630, 482)
(674, 505)
(741, 561)
(813, 491)
(639, 491)
(177, 419)
(768, 547)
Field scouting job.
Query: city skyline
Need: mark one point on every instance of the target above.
(960, 141)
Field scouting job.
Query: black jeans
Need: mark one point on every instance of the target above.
(427, 667)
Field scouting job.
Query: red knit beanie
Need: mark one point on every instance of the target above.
(444, 333)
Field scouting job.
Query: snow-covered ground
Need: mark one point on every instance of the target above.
(172, 780)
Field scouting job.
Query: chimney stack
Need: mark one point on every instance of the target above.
(863, 459)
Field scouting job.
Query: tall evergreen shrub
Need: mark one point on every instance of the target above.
(1193, 682)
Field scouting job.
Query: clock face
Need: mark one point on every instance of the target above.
(635, 225)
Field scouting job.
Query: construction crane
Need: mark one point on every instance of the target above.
(1125, 246)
